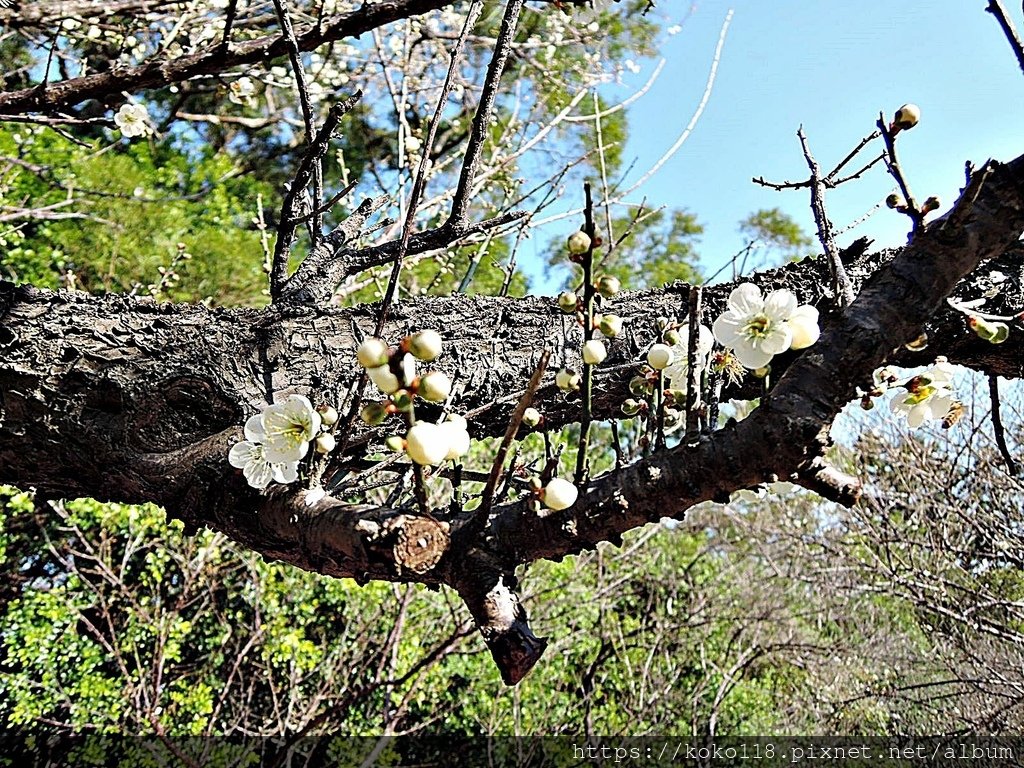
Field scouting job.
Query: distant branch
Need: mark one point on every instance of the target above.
(995, 7)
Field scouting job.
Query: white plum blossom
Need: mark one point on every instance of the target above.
(677, 369)
(427, 443)
(454, 430)
(257, 470)
(757, 328)
(928, 396)
(249, 455)
(132, 120)
(243, 92)
(288, 428)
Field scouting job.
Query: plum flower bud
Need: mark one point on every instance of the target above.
(456, 435)
(567, 380)
(373, 413)
(385, 380)
(659, 357)
(568, 301)
(803, 324)
(594, 352)
(931, 204)
(395, 444)
(531, 417)
(435, 387)
(631, 407)
(426, 443)
(559, 494)
(402, 400)
(425, 345)
(894, 200)
(608, 285)
(639, 385)
(328, 415)
(325, 443)
(610, 325)
(907, 116)
(578, 242)
(992, 332)
(372, 353)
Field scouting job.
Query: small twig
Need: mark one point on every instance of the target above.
(853, 153)
(421, 171)
(893, 164)
(229, 22)
(841, 281)
(487, 499)
(692, 374)
(315, 224)
(328, 205)
(40, 120)
(997, 425)
(482, 119)
(995, 7)
(306, 170)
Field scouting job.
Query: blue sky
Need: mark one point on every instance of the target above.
(830, 66)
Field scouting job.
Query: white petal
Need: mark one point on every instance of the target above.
(751, 357)
(939, 405)
(780, 304)
(705, 340)
(258, 474)
(804, 329)
(917, 414)
(287, 472)
(254, 431)
(777, 340)
(385, 380)
(727, 328)
(746, 299)
(242, 454)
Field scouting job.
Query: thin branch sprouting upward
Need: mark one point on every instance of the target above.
(997, 425)
(995, 7)
(482, 119)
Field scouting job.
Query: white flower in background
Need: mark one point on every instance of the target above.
(757, 328)
(132, 120)
(288, 428)
(742, 408)
(242, 91)
(929, 395)
(677, 369)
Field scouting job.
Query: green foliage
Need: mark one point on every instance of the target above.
(139, 201)
(775, 231)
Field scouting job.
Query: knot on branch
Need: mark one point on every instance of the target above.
(416, 544)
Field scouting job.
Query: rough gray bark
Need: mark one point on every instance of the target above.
(128, 400)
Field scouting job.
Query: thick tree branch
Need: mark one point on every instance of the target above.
(128, 400)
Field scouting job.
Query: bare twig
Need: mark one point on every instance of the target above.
(893, 164)
(997, 425)
(995, 7)
(421, 171)
(692, 372)
(315, 220)
(826, 234)
(290, 216)
(587, 392)
(487, 499)
(481, 121)
(229, 22)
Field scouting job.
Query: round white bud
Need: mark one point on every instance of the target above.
(531, 417)
(426, 443)
(372, 353)
(594, 352)
(559, 494)
(908, 116)
(567, 380)
(325, 443)
(425, 345)
(578, 242)
(435, 387)
(659, 357)
(385, 380)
